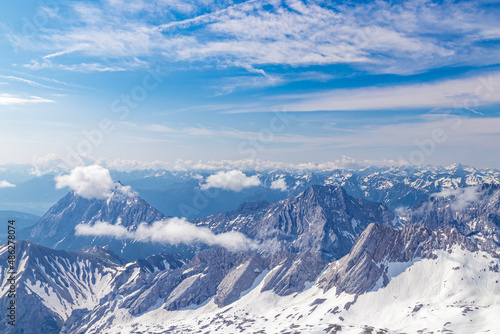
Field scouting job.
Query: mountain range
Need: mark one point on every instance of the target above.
(474, 211)
(324, 261)
(178, 193)
(223, 291)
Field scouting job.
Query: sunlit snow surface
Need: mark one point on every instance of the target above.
(455, 293)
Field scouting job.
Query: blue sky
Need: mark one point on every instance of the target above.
(380, 82)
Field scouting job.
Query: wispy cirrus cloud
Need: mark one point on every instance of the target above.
(86, 66)
(40, 81)
(26, 81)
(469, 92)
(382, 36)
(261, 79)
(7, 99)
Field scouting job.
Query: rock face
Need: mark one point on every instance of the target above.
(321, 219)
(291, 272)
(238, 280)
(367, 263)
(474, 211)
(56, 229)
(51, 284)
(214, 272)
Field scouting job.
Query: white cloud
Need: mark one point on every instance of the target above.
(233, 180)
(382, 36)
(263, 165)
(102, 229)
(29, 82)
(5, 184)
(469, 92)
(54, 162)
(170, 231)
(9, 99)
(279, 184)
(400, 210)
(47, 164)
(84, 67)
(462, 197)
(92, 182)
(457, 131)
(304, 34)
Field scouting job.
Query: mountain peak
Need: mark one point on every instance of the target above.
(323, 219)
(319, 190)
(474, 211)
(323, 195)
(379, 245)
(455, 166)
(56, 229)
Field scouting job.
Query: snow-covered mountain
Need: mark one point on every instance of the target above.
(56, 229)
(322, 219)
(326, 262)
(434, 291)
(368, 264)
(392, 281)
(474, 211)
(178, 193)
(51, 284)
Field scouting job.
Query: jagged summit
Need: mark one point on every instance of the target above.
(321, 218)
(378, 246)
(474, 211)
(56, 229)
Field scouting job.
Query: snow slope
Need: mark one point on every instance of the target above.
(457, 292)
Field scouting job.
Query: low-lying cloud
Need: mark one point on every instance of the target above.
(6, 184)
(171, 231)
(463, 197)
(92, 182)
(54, 163)
(279, 184)
(233, 180)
